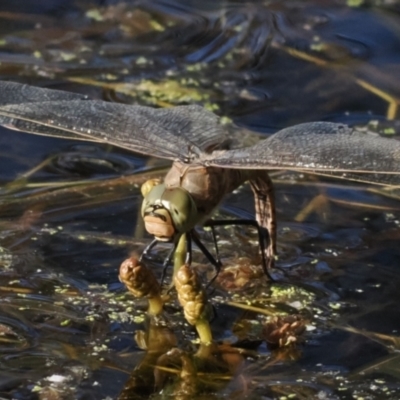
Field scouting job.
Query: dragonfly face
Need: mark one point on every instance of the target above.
(168, 212)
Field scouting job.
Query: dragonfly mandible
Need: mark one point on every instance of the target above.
(203, 169)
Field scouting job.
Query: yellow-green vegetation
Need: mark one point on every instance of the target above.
(355, 3)
(172, 91)
(293, 296)
(164, 93)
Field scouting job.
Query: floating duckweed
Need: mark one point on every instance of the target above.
(389, 131)
(65, 322)
(355, 3)
(335, 305)
(50, 231)
(142, 61)
(156, 26)
(317, 46)
(61, 290)
(110, 77)
(139, 319)
(102, 347)
(195, 67)
(171, 91)
(65, 56)
(291, 294)
(211, 106)
(95, 15)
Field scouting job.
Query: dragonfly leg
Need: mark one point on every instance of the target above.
(215, 262)
(214, 234)
(183, 244)
(148, 248)
(188, 259)
(265, 213)
(167, 260)
(262, 237)
(166, 263)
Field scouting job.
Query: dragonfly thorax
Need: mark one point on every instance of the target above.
(168, 212)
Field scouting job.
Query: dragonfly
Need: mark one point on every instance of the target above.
(203, 169)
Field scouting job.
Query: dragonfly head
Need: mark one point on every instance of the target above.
(168, 212)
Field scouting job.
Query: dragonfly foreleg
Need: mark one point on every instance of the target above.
(167, 260)
(188, 259)
(166, 263)
(179, 246)
(148, 248)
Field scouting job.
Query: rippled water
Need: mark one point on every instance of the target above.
(67, 324)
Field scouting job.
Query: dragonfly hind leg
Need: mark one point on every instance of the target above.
(216, 262)
(263, 238)
(264, 200)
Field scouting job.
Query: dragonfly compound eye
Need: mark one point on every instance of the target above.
(168, 211)
(181, 207)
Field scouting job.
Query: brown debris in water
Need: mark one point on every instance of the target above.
(284, 331)
(242, 274)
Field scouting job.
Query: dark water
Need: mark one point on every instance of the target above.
(67, 324)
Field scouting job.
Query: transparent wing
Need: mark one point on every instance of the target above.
(17, 93)
(324, 148)
(178, 132)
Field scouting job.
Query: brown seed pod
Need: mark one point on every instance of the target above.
(283, 331)
(190, 294)
(138, 279)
